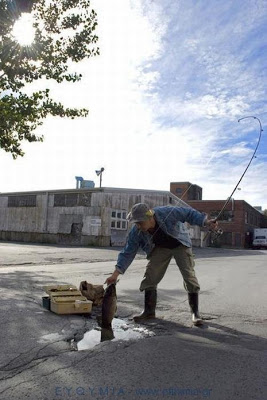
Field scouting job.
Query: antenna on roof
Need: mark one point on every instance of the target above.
(99, 173)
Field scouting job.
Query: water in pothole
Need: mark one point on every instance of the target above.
(121, 330)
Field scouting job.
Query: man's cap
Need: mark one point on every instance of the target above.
(140, 212)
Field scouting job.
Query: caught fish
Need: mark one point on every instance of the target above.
(106, 334)
(109, 306)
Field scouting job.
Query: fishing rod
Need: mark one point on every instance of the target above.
(220, 231)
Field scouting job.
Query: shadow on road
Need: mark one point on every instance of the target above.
(218, 332)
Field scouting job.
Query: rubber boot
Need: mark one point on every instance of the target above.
(150, 306)
(193, 303)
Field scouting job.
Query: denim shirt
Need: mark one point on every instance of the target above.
(171, 221)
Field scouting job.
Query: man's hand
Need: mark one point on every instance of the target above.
(212, 224)
(112, 278)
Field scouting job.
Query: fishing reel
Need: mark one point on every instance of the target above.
(216, 235)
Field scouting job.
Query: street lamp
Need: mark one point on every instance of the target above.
(99, 173)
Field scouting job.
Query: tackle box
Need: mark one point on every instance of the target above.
(67, 299)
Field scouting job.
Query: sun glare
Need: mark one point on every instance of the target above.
(23, 30)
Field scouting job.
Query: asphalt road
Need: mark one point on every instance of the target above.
(226, 359)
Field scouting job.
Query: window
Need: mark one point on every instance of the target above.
(22, 201)
(225, 215)
(118, 219)
(72, 200)
(246, 217)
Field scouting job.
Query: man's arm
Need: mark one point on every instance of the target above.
(195, 217)
(211, 224)
(192, 216)
(112, 278)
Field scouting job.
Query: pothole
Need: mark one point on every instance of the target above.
(121, 330)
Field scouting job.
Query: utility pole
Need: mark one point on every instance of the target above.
(99, 173)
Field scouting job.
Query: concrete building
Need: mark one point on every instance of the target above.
(95, 216)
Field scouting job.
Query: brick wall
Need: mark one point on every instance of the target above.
(238, 221)
(186, 190)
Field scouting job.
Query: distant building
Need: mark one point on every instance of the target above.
(186, 190)
(258, 208)
(237, 221)
(81, 216)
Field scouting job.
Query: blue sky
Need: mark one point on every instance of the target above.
(164, 97)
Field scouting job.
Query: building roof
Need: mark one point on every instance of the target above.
(97, 190)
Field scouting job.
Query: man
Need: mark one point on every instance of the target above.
(161, 233)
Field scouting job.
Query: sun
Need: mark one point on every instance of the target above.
(23, 30)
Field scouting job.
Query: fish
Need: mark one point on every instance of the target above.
(106, 334)
(109, 306)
